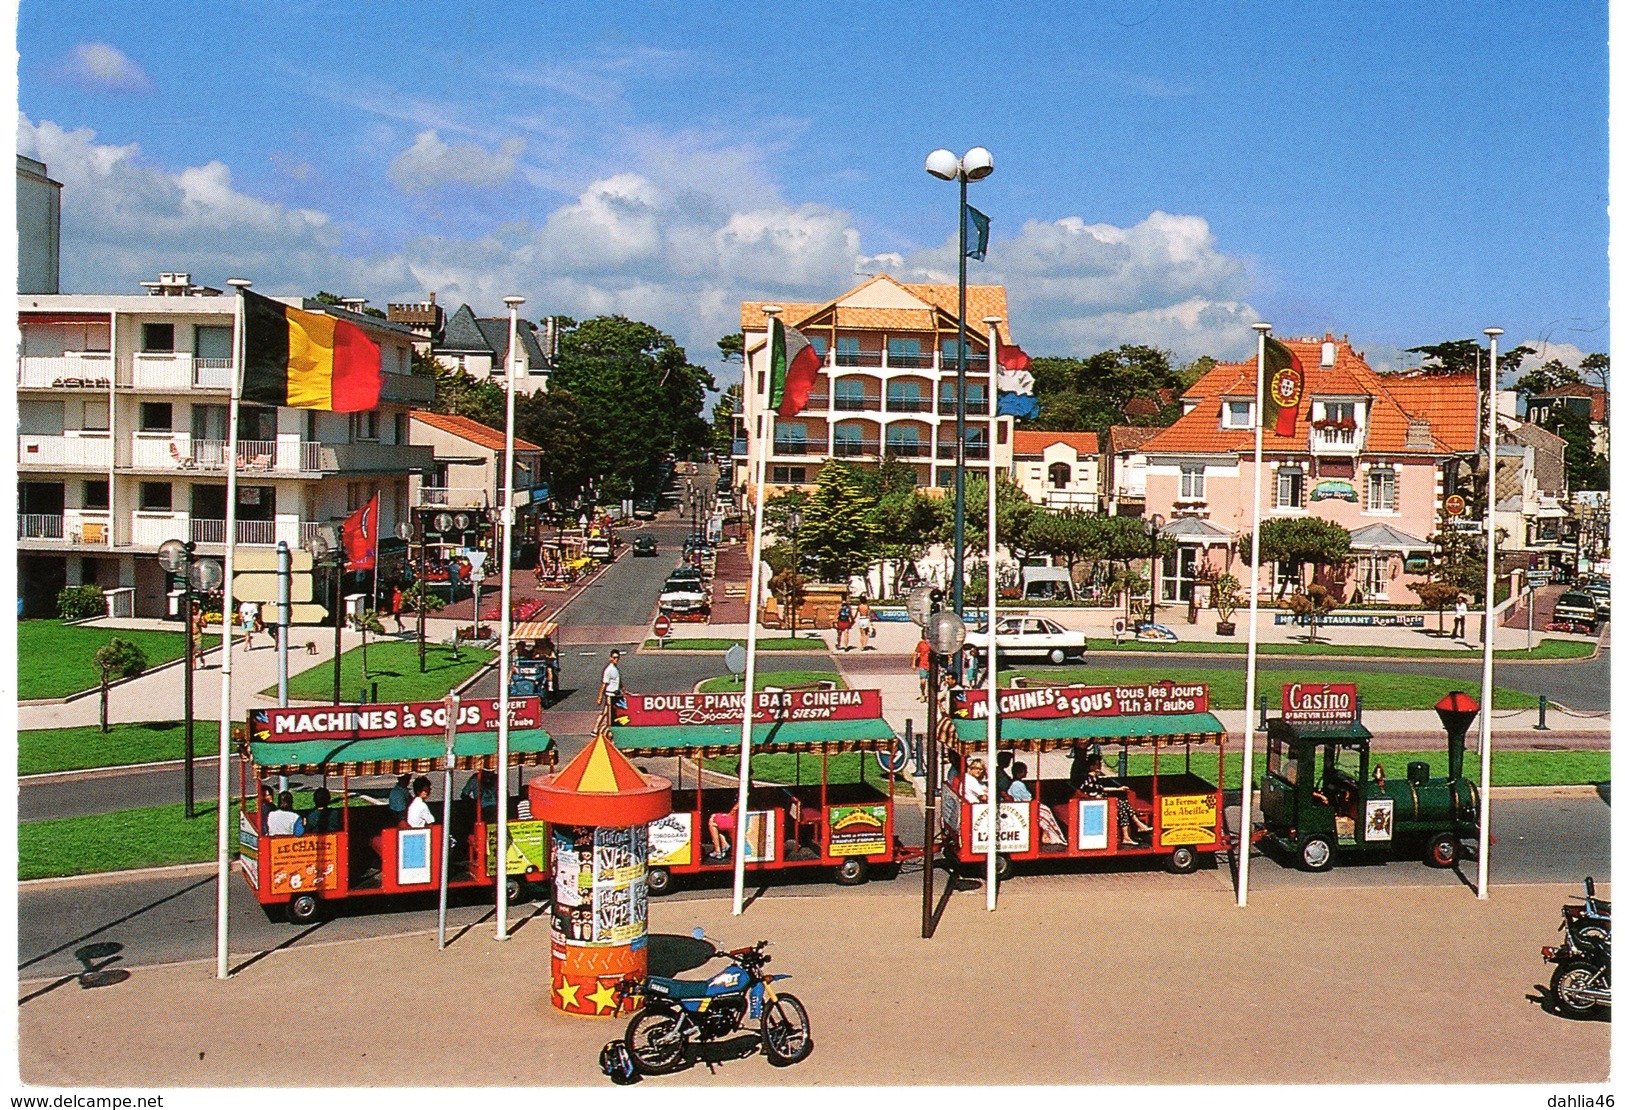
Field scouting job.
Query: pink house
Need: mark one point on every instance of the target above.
(1370, 452)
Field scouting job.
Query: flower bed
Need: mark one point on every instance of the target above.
(523, 610)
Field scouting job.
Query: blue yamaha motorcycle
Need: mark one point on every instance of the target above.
(678, 1012)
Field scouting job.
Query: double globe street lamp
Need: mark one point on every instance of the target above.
(974, 166)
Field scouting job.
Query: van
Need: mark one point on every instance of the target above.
(1046, 584)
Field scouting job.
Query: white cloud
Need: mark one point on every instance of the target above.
(430, 162)
(103, 67)
(1547, 351)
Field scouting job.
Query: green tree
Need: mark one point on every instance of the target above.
(553, 422)
(1438, 596)
(728, 404)
(459, 393)
(639, 397)
(1016, 512)
(909, 522)
(1596, 366)
(1312, 605)
(1553, 375)
(1068, 535)
(1468, 356)
(1090, 394)
(732, 347)
(1296, 542)
(839, 532)
(1582, 466)
(117, 658)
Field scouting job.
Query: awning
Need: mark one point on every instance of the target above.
(1193, 532)
(395, 755)
(1066, 732)
(867, 735)
(534, 630)
(1341, 732)
(1384, 537)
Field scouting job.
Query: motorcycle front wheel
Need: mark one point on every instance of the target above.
(1568, 981)
(786, 1031)
(655, 1040)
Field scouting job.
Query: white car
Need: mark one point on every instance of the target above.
(1032, 636)
(684, 595)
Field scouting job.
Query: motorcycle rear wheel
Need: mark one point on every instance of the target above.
(1570, 978)
(786, 1031)
(655, 1040)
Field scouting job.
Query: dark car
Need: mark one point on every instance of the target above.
(644, 508)
(645, 545)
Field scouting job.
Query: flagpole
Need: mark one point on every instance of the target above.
(1244, 846)
(505, 652)
(993, 799)
(764, 442)
(1487, 693)
(223, 860)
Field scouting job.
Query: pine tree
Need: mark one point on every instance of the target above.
(840, 533)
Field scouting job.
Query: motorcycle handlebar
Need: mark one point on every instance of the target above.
(1591, 887)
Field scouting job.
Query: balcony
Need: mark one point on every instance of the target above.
(39, 526)
(974, 406)
(857, 404)
(175, 371)
(908, 448)
(253, 533)
(385, 457)
(169, 451)
(847, 447)
(92, 451)
(454, 497)
(860, 358)
(908, 404)
(1335, 440)
(975, 363)
(789, 447)
(74, 370)
(945, 450)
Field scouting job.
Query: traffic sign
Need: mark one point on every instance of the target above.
(259, 586)
(297, 614)
(260, 559)
(662, 627)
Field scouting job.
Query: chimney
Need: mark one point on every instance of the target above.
(1328, 355)
(1419, 434)
(354, 304)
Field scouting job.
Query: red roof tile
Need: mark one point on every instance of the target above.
(473, 431)
(1034, 443)
(1127, 437)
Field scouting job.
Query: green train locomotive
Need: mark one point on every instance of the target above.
(1322, 795)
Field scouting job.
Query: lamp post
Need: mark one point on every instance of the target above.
(201, 575)
(793, 522)
(945, 633)
(1485, 729)
(948, 166)
(327, 547)
(1153, 528)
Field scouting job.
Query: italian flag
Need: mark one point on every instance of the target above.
(794, 364)
(1283, 387)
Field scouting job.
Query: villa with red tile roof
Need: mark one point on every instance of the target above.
(1582, 399)
(468, 466)
(1370, 452)
(1059, 470)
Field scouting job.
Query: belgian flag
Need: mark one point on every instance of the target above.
(307, 360)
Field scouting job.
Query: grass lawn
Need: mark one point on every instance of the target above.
(702, 643)
(120, 841)
(1546, 649)
(394, 666)
(1226, 689)
(1511, 768)
(727, 684)
(71, 749)
(781, 769)
(54, 659)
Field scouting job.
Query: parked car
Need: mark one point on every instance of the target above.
(645, 545)
(683, 594)
(1598, 588)
(1032, 636)
(1576, 607)
(597, 547)
(644, 508)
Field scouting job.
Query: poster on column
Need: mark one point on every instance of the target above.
(620, 894)
(572, 885)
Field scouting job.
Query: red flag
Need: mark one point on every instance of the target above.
(1013, 358)
(795, 364)
(361, 537)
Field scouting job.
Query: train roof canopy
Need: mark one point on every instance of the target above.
(1065, 732)
(382, 755)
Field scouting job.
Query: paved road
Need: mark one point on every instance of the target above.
(164, 918)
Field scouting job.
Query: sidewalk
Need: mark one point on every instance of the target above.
(1135, 978)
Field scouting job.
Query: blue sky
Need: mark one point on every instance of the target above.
(1167, 173)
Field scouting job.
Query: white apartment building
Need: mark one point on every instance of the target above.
(39, 228)
(887, 386)
(122, 442)
(1058, 470)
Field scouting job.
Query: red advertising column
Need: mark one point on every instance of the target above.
(599, 807)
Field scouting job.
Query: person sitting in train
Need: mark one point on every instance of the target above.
(283, 821)
(1001, 775)
(418, 814)
(1095, 785)
(720, 823)
(323, 818)
(483, 786)
(975, 784)
(400, 797)
(1049, 829)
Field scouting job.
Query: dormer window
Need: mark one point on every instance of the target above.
(1237, 414)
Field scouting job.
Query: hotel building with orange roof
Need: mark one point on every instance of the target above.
(1372, 452)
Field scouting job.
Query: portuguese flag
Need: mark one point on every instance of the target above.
(1283, 387)
(306, 360)
(794, 364)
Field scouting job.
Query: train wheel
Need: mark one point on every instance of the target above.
(1444, 850)
(304, 909)
(1317, 854)
(853, 870)
(1183, 860)
(518, 890)
(658, 880)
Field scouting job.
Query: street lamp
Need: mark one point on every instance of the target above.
(793, 522)
(326, 546)
(203, 575)
(1153, 528)
(948, 166)
(944, 632)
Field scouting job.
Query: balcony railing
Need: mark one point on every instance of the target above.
(974, 406)
(454, 497)
(74, 370)
(975, 363)
(91, 451)
(1343, 441)
(256, 533)
(907, 360)
(859, 358)
(847, 447)
(945, 450)
(908, 404)
(175, 370)
(907, 449)
(39, 526)
(857, 404)
(799, 446)
(169, 451)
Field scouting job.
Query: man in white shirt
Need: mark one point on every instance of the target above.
(609, 690)
(418, 814)
(283, 821)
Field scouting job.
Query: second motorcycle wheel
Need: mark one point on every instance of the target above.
(786, 1031)
(1569, 982)
(655, 1040)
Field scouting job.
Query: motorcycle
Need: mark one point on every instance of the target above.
(1584, 963)
(677, 1012)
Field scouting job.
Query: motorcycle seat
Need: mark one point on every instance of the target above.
(663, 987)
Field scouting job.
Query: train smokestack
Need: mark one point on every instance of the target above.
(1456, 712)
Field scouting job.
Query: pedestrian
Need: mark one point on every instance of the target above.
(397, 602)
(969, 665)
(609, 688)
(248, 614)
(1460, 631)
(866, 624)
(843, 627)
(197, 636)
(922, 663)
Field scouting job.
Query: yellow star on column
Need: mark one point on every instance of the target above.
(603, 997)
(567, 994)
